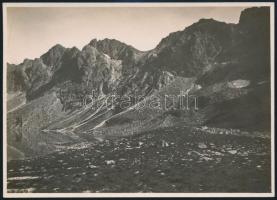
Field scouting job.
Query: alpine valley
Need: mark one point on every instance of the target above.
(61, 137)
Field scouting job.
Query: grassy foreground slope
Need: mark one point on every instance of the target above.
(176, 159)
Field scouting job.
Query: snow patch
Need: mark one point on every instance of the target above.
(107, 56)
(23, 178)
(238, 83)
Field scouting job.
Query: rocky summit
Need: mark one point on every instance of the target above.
(62, 126)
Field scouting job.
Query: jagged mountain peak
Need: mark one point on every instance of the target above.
(116, 49)
(210, 21)
(205, 26)
(110, 42)
(26, 60)
(74, 48)
(255, 20)
(55, 48)
(205, 20)
(53, 55)
(254, 13)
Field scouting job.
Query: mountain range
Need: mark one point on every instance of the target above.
(225, 66)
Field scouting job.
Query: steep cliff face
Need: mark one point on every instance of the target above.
(128, 55)
(117, 50)
(246, 61)
(248, 56)
(88, 68)
(29, 75)
(53, 57)
(14, 80)
(188, 52)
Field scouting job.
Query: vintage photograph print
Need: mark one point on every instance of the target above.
(138, 100)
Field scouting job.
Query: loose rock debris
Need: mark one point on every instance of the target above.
(168, 160)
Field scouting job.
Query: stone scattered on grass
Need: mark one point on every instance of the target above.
(233, 151)
(110, 162)
(206, 158)
(202, 146)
